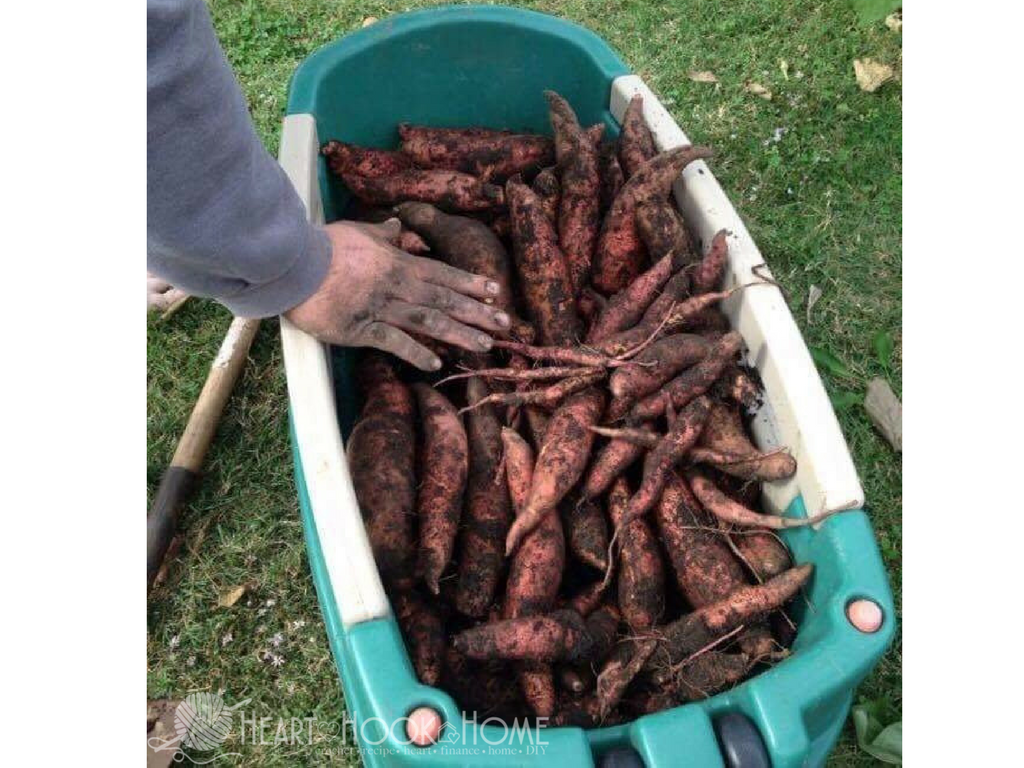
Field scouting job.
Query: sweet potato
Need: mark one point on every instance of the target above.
(705, 568)
(620, 252)
(695, 631)
(654, 367)
(562, 459)
(636, 144)
(536, 567)
(464, 243)
(557, 636)
(692, 382)
(663, 232)
(707, 275)
(488, 511)
(423, 631)
(343, 158)
(707, 675)
(773, 465)
(562, 355)
(537, 421)
(726, 446)
(543, 271)
(729, 511)
(549, 192)
(677, 317)
(669, 451)
(578, 216)
(602, 627)
(380, 456)
(449, 190)
(489, 155)
(762, 552)
(610, 173)
(626, 307)
(445, 465)
(611, 461)
(587, 533)
(641, 571)
(574, 680)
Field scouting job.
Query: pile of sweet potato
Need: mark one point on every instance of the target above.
(576, 509)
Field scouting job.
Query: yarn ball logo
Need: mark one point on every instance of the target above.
(202, 721)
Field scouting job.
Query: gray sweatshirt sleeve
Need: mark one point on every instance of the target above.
(223, 219)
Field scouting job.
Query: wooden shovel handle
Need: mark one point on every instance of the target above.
(182, 476)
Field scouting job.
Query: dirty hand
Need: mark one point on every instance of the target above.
(374, 293)
(160, 294)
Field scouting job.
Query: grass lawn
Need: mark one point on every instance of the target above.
(816, 174)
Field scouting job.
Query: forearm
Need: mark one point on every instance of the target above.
(223, 219)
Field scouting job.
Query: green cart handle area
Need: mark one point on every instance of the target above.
(474, 65)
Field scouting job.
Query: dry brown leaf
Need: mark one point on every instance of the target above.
(232, 596)
(369, 20)
(894, 21)
(871, 75)
(758, 90)
(703, 77)
(813, 294)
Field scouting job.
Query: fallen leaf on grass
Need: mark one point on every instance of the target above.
(369, 20)
(703, 77)
(232, 596)
(758, 90)
(894, 21)
(884, 743)
(813, 294)
(784, 66)
(825, 359)
(883, 346)
(871, 75)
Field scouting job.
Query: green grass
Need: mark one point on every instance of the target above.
(823, 202)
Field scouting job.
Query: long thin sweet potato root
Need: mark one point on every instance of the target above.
(611, 461)
(536, 567)
(729, 511)
(562, 459)
(380, 457)
(421, 625)
(692, 382)
(641, 571)
(544, 275)
(620, 251)
(669, 451)
(636, 144)
(487, 154)
(445, 465)
(343, 158)
(449, 190)
(487, 514)
(626, 307)
(655, 366)
(547, 397)
(557, 636)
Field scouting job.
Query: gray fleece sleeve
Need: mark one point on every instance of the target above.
(223, 219)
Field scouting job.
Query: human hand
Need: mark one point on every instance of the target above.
(374, 293)
(160, 294)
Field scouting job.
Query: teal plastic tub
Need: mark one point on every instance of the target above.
(488, 66)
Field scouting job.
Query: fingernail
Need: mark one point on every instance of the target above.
(435, 364)
(484, 341)
(502, 319)
(492, 287)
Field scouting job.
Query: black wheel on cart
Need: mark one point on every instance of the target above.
(741, 742)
